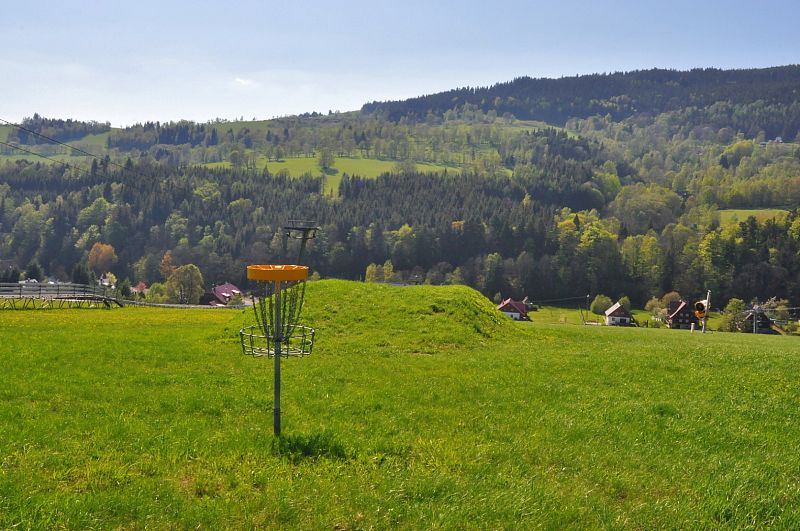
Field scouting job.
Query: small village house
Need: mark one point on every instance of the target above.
(764, 325)
(140, 289)
(516, 310)
(105, 282)
(617, 315)
(221, 295)
(680, 315)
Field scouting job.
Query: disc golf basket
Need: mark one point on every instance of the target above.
(277, 304)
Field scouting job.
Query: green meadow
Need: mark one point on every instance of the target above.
(420, 407)
(729, 216)
(574, 315)
(362, 167)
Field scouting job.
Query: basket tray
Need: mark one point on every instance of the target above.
(273, 273)
(255, 343)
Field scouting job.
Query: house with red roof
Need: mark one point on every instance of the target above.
(140, 289)
(222, 294)
(516, 310)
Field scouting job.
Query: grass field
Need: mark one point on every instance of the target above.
(727, 217)
(367, 168)
(420, 408)
(572, 315)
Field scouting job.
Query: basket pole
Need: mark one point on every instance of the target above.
(276, 413)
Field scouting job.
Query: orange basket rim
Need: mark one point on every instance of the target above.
(277, 272)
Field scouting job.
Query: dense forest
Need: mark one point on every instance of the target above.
(765, 99)
(61, 130)
(627, 190)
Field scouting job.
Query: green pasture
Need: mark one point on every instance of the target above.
(92, 143)
(728, 216)
(572, 315)
(421, 407)
(76, 161)
(362, 167)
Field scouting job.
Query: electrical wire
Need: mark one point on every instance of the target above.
(560, 300)
(60, 143)
(12, 146)
(53, 140)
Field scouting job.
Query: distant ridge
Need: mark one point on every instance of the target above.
(619, 94)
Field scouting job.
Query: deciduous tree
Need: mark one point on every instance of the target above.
(101, 257)
(185, 285)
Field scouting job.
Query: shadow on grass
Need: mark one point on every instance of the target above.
(330, 171)
(299, 448)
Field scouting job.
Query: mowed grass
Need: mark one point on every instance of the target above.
(729, 216)
(421, 407)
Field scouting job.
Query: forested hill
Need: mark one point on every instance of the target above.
(620, 95)
(643, 183)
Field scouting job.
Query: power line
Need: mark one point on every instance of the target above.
(79, 150)
(560, 300)
(12, 146)
(21, 128)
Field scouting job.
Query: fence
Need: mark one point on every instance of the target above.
(33, 295)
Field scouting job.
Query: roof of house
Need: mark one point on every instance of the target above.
(224, 292)
(510, 305)
(680, 306)
(683, 306)
(141, 286)
(619, 310)
(762, 317)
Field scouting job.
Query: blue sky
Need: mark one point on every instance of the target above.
(167, 60)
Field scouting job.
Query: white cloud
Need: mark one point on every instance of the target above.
(244, 82)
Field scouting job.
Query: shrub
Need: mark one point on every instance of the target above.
(600, 304)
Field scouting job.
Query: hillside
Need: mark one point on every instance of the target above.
(622, 95)
(420, 408)
(677, 181)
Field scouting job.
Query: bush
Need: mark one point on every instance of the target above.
(733, 316)
(653, 305)
(670, 297)
(600, 304)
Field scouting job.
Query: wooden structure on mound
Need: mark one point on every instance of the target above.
(36, 296)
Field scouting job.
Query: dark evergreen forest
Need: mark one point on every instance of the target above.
(765, 99)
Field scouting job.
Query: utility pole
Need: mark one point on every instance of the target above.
(756, 310)
(302, 230)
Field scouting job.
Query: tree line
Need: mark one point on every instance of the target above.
(767, 95)
(490, 233)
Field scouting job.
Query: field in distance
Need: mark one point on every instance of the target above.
(729, 216)
(421, 407)
(356, 166)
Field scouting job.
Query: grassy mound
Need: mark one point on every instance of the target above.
(400, 320)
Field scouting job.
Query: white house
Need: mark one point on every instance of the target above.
(617, 315)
